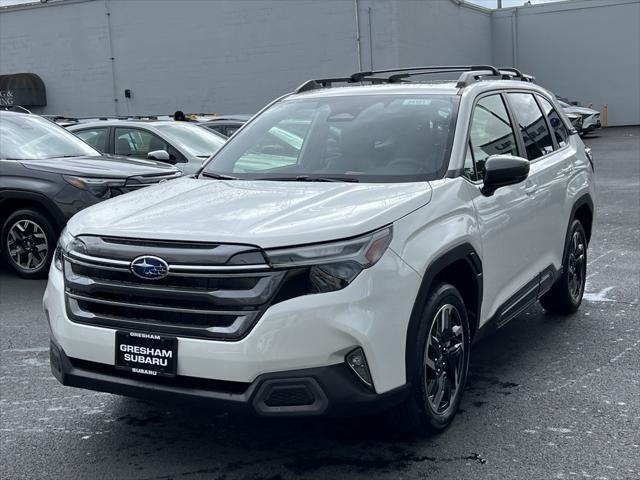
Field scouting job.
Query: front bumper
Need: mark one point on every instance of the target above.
(331, 390)
(302, 336)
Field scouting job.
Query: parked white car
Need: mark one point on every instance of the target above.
(347, 273)
(590, 117)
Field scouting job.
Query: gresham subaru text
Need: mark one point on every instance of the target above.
(337, 256)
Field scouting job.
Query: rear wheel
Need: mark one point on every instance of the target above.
(29, 240)
(443, 356)
(566, 295)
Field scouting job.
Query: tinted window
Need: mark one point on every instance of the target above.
(96, 137)
(133, 142)
(216, 128)
(532, 124)
(469, 167)
(557, 125)
(376, 138)
(232, 130)
(491, 132)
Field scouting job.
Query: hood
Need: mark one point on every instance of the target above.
(580, 110)
(263, 213)
(101, 167)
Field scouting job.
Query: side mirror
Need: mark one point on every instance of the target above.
(503, 170)
(161, 156)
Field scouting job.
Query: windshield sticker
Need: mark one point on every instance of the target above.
(416, 101)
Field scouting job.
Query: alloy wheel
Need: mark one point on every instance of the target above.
(577, 265)
(444, 359)
(27, 245)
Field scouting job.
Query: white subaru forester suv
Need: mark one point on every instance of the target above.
(337, 256)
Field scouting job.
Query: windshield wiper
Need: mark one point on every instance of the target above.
(308, 178)
(218, 176)
(66, 155)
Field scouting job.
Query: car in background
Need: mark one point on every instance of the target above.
(226, 125)
(183, 144)
(576, 120)
(590, 117)
(46, 176)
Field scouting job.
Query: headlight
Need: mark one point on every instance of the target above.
(67, 243)
(100, 187)
(334, 265)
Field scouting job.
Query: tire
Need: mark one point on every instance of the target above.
(36, 237)
(565, 296)
(418, 414)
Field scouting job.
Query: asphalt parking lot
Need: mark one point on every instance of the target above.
(548, 397)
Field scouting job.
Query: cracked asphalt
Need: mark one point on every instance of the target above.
(548, 397)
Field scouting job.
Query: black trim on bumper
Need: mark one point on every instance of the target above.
(334, 390)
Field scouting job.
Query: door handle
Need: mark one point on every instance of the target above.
(530, 189)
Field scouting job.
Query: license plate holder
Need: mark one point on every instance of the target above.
(147, 354)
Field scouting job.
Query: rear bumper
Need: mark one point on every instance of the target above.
(332, 390)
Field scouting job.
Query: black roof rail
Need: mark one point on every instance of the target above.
(467, 78)
(425, 70)
(470, 73)
(514, 73)
(118, 117)
(55, 118)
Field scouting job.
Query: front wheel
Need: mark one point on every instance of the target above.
(443, 362)
(566, 295)
(29, 241)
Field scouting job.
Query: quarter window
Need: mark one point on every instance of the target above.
(133, 142)
(532, 124)
(96, 137)
(557, 125)
(491, 132)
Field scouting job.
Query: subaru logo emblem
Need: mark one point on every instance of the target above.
(150, 268)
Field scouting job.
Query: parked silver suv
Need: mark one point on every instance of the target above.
(183, 144)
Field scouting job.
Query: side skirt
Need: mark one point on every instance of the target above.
(520, 301)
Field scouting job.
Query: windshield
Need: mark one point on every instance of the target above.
(30, 137)
(195, 140)
(372, 138)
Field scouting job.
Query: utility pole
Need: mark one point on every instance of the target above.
(499, 3)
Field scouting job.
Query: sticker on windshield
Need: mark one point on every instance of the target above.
(416, 101)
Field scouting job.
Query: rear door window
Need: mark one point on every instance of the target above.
(96, 137)
(532, 125)
(557, 125)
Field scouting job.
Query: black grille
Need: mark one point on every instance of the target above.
(202, 301)
(289, 396)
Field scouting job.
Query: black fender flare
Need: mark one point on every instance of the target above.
(580, 202)
(464, 252)
(48, 206)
